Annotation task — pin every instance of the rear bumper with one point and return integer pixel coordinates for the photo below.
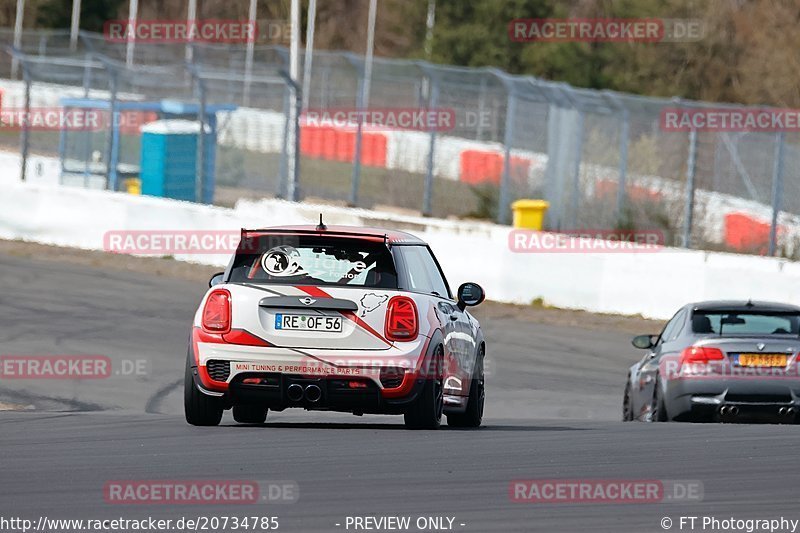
(710, 398)
(376, 382)
(329, 393)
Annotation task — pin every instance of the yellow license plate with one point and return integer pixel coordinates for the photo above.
(762, 359)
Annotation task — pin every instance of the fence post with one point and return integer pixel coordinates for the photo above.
(283, 185)
(115, 118)
(427, 199)
(292, 192)
(355, 179)
(622, 192)
(25, 140)
(111, 171)
(201, 142)
(17, 42)
(365, 75)
(777, 192)
(290, 177)
(87, 135)
(576, 171)
(355, 183)
(688, 214)
(553, 188)
(505, 180)
(248, 56)
(481, 108)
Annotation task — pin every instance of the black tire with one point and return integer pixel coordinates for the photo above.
(199, 409)
(426, 411)
(627, 408)
(658, 410)
(473, 415)
(249, 414)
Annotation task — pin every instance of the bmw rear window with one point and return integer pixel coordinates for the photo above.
(746, 323)
(314, 260)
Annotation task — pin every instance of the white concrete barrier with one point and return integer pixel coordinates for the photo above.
(652, 284)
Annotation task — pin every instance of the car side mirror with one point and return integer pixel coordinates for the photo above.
(644, 342)
(216, 279)
(470, 294)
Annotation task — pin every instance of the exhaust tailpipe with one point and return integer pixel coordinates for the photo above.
(313, 393)
(295, 392)
(733, 410)
(791, 411)
(782, 411)
(729, 410)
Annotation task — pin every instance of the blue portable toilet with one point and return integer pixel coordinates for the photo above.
(169, 160)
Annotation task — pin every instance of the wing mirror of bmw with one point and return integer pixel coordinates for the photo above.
(644, 341)
(216, 279)
(470, 294)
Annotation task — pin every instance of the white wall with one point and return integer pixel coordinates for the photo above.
(652, 284)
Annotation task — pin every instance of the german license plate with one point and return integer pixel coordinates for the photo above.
(308, 322)
(762, 359)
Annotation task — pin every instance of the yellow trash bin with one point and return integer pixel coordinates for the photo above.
(133, 186)
(529, 214)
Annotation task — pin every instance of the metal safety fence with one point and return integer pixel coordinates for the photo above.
(602, 159)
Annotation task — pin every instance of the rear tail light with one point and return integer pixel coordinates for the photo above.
(401, 319)
(700, 354)
(217, 312)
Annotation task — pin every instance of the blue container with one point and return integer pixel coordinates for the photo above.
(169, 160)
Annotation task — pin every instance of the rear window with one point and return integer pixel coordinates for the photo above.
(735, 323)
(314, 260)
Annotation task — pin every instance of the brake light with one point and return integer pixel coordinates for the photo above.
(217, 312)
(401, 319)
(700, 354)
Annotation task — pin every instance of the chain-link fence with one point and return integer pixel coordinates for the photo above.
(603, 160)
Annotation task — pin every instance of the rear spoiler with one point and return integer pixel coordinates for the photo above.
(320, 233)
(249, 237)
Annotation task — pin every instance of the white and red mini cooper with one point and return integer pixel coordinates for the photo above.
(340, 319)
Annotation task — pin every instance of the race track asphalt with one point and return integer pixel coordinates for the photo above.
(552, 413)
